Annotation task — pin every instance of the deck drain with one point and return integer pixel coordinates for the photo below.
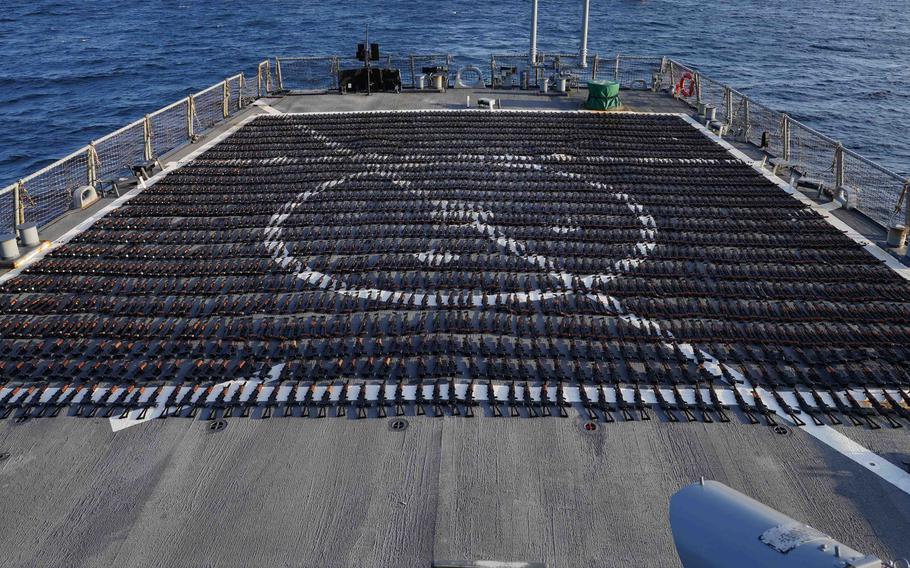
(782, 430)
(398, 424)
(4, 456)
(217, 425)
(589, 426)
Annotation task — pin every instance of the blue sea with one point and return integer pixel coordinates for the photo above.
(73, 71)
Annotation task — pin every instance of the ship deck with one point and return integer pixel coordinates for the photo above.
(290, 210)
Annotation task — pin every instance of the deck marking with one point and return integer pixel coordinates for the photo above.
(132, 419)
(267, 107)
(473, 214)
(480, 219)
(834, 439)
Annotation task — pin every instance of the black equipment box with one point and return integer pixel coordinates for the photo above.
(380, 80)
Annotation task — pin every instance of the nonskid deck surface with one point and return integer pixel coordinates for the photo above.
(526, 259)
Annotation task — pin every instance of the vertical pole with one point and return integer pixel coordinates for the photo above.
(18, 209)
(785, 136)
(190, 116)
(594, 67)
(747, 123)
(616, 69)
(413, 71)
(697, 87)
(278, 70)
(91, 170)
(839, 170)
(906, 203)
(532, 53)
(659, 83)
(673, 79)
(492, 71)
(586, 13)
(259, 82)
(728, 105)
(367, 52)
(268, 77)
(225, 99)
(146, 137)
(240, 92)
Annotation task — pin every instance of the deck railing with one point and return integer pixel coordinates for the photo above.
(872, 189)
(46, 194)
(879, 193)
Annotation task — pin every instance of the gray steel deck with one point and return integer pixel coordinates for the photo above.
(342, 492)
(353, 493)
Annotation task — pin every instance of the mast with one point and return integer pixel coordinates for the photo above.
(586, 12)
(532, 55)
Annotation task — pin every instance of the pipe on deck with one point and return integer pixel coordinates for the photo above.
(532, 55)
(586, 13)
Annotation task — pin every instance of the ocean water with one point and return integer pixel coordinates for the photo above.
(73, 71)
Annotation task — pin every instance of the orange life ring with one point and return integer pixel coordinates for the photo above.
(686, 85)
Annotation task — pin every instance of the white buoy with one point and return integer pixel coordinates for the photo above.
(8, 247)
(28, 234)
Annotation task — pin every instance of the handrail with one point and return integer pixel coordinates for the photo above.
(79, 167)
(53, 165)
(791, 137)
(865, 189)
(120, 130)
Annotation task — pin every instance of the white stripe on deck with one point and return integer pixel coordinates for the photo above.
(834, 439)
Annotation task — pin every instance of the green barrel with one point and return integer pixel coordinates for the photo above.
(603, 95)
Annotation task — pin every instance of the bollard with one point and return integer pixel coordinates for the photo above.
(897, 235)
(8, 247)
(710, 113)
(28, 234)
